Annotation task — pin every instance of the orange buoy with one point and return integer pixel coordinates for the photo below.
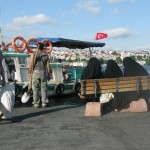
(28, 43)
(48, 45)
(19, 47)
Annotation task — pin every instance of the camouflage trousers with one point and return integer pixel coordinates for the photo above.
(39, 83)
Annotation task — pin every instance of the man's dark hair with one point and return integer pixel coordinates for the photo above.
(40, 46)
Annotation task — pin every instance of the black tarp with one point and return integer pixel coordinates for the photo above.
(72, 44)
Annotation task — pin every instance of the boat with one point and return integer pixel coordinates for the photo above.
(16, 66)
(19, 62)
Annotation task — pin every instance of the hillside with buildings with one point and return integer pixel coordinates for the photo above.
(76, 55)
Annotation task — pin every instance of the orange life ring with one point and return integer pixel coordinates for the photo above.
(28, 43)
(7, 46)
(49, 46)
(21, 47)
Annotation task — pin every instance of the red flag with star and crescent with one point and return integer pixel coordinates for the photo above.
(100, 36)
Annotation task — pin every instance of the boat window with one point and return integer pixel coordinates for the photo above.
(24, 73)
(27, 60)
(9, 61)
(22, 60)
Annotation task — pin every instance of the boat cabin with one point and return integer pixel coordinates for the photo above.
(16, 68)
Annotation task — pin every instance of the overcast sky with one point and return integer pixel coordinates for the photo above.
(127, 22)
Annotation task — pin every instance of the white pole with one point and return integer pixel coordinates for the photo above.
(1, 37)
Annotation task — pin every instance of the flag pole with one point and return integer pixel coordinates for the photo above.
(1, 36)
(92, 49)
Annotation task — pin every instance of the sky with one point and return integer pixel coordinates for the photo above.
(126, 22)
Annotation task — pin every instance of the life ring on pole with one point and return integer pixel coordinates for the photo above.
(3, 45)
(21, 47)
(59, 89)
(77, 87)
(48, 45)
(7, 46)
(28, 44)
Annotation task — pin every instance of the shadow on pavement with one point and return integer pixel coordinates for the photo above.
(6, 121)
(20, 118)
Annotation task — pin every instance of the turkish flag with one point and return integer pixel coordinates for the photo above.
(100, 36)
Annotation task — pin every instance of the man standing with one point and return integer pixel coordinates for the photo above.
(39, 72)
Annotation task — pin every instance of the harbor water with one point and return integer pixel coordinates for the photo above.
(75, 73)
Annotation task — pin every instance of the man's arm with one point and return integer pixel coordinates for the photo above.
(48, 69)
(31, 64)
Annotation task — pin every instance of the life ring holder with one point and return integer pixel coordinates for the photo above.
(7, 46)
(19, 48)
(28, 43)
(47, 50)
(77, 87)
(3, 45)
(59, 89)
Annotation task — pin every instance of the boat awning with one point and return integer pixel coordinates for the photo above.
(72, 44)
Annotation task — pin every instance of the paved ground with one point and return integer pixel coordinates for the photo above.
(64, 127)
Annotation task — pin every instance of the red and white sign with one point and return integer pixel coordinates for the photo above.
(100, 36)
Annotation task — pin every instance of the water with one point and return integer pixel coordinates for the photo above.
(70, 71)
(74, 73)
(147, 68)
